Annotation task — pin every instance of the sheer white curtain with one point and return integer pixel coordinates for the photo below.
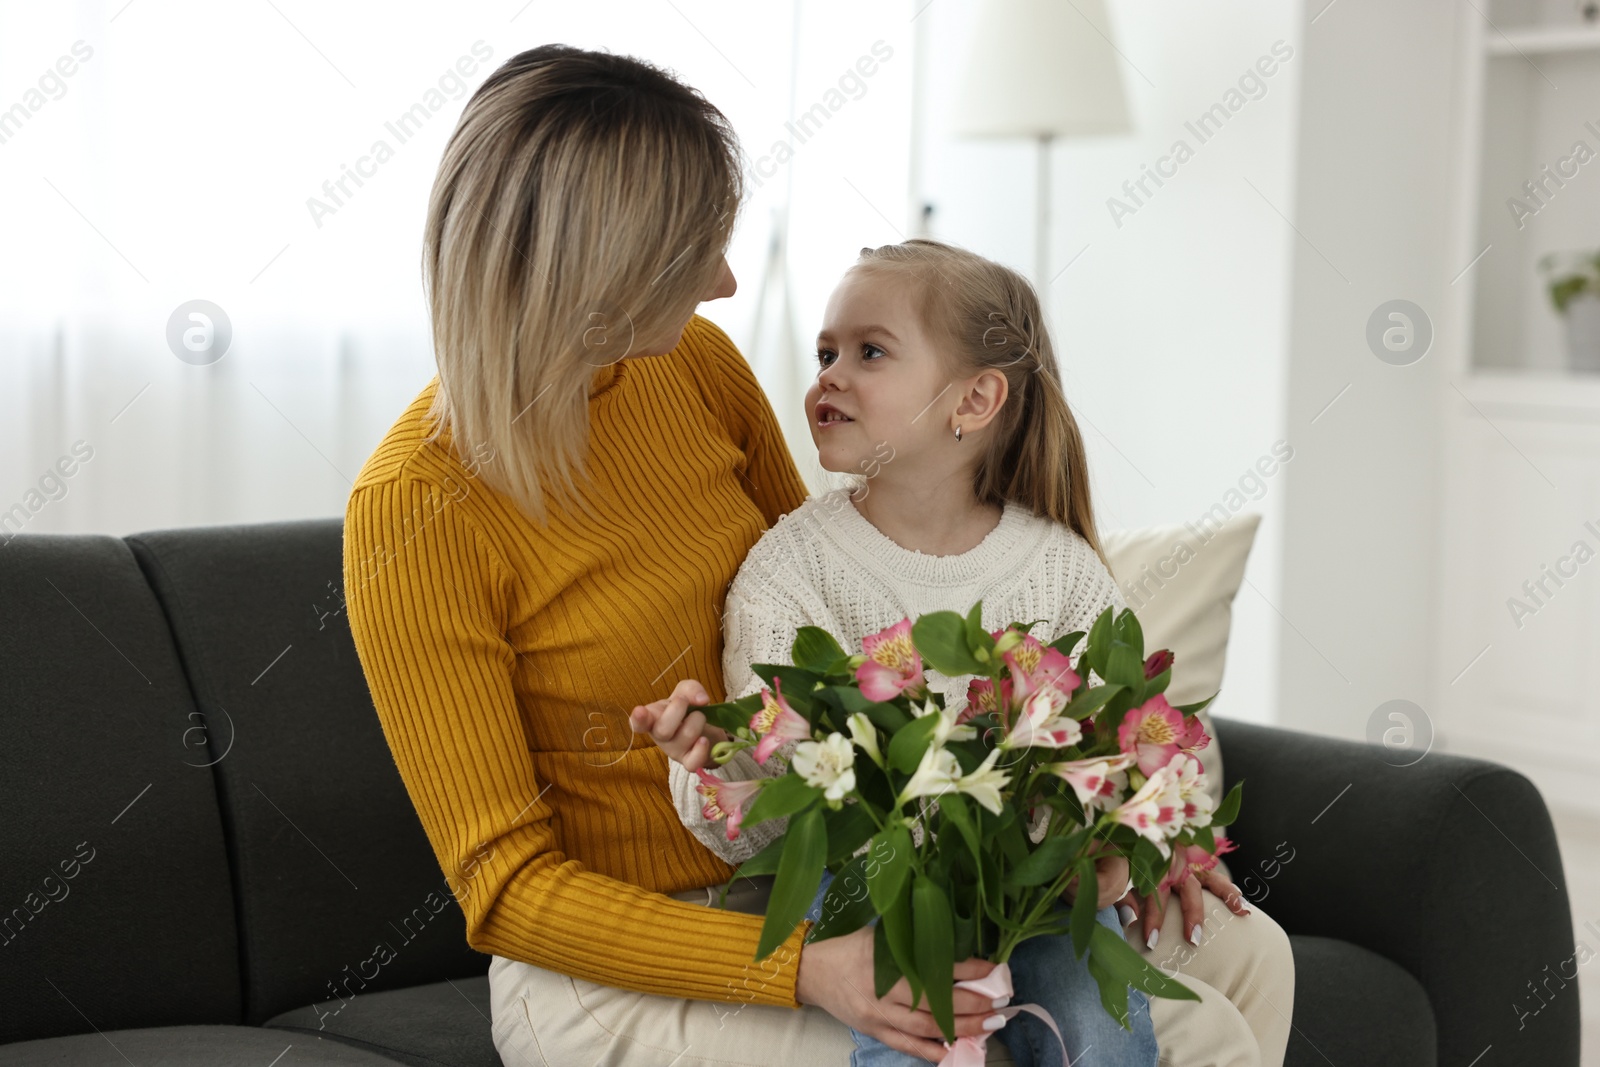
(157, 153)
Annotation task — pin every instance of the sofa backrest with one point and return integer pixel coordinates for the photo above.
(186, 708)
(116, 905)
(338, 891)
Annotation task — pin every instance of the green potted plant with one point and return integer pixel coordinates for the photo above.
(1573, 281)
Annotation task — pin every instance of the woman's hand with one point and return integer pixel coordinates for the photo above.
(1110, 875)
(1151, 910)
(836, 976)
(682, 734)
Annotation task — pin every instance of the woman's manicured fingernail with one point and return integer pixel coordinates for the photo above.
(1155, 935)
(1000, 1002)
(1127, 913)
(1194, 934)
(994, 1022)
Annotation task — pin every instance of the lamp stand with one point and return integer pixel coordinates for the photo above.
(1041, 214)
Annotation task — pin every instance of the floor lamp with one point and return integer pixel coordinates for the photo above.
(1042, 69)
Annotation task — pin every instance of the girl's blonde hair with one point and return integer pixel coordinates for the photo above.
(984, 315)
(582, 206)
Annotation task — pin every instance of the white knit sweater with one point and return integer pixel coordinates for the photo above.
(825, 565)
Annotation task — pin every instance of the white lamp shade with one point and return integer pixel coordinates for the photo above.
(1042, 68)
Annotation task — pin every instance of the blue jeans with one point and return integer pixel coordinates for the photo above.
(1044, 971)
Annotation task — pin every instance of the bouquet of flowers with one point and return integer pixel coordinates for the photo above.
(930, 807)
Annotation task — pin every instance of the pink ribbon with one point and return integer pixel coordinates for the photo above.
(969, 1051)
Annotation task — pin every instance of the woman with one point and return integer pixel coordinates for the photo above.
(543, 540)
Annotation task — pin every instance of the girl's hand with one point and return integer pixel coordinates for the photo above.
(1111, 876)
(1151, 910)
(682, 734)
(836, 976)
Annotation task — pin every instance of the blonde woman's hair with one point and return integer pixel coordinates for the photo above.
(582, 206)
(982, 315)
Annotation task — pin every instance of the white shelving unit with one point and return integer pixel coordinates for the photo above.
(1521, 430)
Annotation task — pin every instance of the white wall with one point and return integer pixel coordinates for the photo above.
(1172, 327)
(1361, 527)
(183, 153)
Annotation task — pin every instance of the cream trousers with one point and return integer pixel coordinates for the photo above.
(1242, 970)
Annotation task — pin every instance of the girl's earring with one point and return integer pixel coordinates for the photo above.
(958, 433)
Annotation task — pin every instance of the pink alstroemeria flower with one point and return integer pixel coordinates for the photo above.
(982, 700)
(1158, 662)
(1194, 735)
(1097, 781)
(776, 722)
(726, 800)
(1153, 733)
(1035, 666)
(893, 664)
(1188, 858)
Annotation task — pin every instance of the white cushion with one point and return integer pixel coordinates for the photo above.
(1180, 582)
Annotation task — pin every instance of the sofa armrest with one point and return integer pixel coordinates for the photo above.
(1449, 867)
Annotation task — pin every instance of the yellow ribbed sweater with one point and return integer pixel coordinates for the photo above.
(504, 657)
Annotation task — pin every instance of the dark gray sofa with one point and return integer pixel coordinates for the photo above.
(207, 857)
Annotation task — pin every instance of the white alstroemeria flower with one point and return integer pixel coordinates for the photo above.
(1155, 812)
(865, 736)
(1098, 782)
(828, 764)
(946, 729)
(1041, 724)
(937, 773)
(984, 783)
(1193, 789)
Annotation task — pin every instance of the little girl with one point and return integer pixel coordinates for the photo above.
(937, 382)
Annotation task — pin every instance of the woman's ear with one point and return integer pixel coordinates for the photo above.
(982, 399)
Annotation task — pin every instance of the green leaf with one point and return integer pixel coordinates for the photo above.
(941, 638)
(966, 931)
(934, 947)
(1190, 709)
(796, 688)
(763, 862)
(1067, 642)
(1146, 865)
(978, 639)
(1090, 701)
(846, 906)
(1228, 810)
(910, 742)
(1113, 993)
(816, 649)
(896, 924)
(1124, 667)
(1122, 962)
(953, 808)
(1099, 645)
(1205, 839)
(1085, 906)
(784, 795)
(1013, 840)
(1131, 633)
(848, 829)
(890, 866)
(1044, 864)
(886, 717)
(885, 970)
(799, 875)
(732, 714)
